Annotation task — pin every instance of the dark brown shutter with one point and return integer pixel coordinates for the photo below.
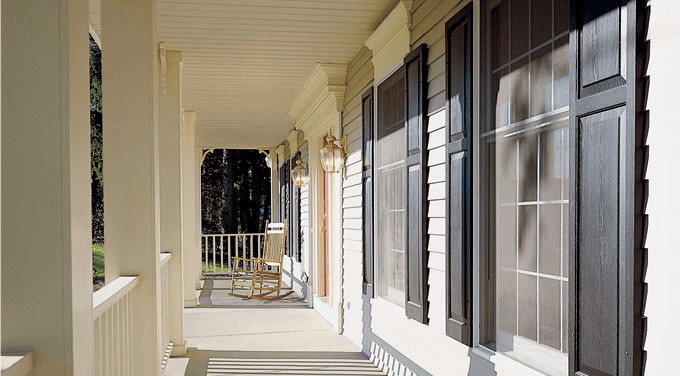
(603, 232)
(367, 189)
(416, 184)
(294, 225)
(284, 197)
(459, 176)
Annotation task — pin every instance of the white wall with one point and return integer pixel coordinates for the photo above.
(663, 173)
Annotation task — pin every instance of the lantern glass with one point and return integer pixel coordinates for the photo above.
(299, 174)
(332, 156)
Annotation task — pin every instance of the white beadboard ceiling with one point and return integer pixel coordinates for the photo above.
(246, 60)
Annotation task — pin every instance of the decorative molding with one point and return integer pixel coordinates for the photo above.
(326, 82)
(164, 68)
(281, 153)
(292, 139)
(95, 34)
(399, 17)
(390, 42)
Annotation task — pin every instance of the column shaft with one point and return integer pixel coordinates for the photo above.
(189, 195)
(131, 154)
(169, 115)
(46, 218)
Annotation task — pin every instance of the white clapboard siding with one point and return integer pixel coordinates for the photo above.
(359, 78)
(414, 342)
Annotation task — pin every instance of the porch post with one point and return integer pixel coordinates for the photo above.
(198, 157)
(46, 217)
(274, 161)
(189, 209)
(169, 114)
(131, 151)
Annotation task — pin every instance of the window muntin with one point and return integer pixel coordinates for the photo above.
(390, 152)
(524, 182)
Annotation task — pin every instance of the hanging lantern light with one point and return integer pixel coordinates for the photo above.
(332, 155)
(299, 174)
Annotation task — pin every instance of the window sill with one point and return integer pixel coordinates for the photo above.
(383, 305)
(502, 363)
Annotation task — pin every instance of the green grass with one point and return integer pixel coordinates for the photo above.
(217, 267)
(98, 263)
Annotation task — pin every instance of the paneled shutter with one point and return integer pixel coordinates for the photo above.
(294, 225)
(603, 234)
(416, 184)
(367, 189)
(284, 199)
(459, 176)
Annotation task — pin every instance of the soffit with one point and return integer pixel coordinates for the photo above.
(245, 61)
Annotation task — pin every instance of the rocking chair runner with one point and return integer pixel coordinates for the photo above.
(262, 274)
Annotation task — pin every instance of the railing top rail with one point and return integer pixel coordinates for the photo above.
(108, 295)
(234, 234)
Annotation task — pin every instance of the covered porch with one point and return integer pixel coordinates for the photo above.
(227, 335)
(178, 77)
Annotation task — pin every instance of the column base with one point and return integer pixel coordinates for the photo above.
(190, 303)
(179, 350)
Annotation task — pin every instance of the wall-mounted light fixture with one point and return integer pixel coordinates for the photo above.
(332, 155)
(299, 174)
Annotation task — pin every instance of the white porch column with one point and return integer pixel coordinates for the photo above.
(131, 151)
(198, 157)
(169, 115)
(46, 218)
(274, 161)
(189, 209)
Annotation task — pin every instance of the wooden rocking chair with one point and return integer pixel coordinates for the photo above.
(262, 274)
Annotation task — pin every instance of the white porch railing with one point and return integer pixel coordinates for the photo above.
(219, 249)
(112, 313)
(165, 312)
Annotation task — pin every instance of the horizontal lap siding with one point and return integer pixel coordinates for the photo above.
(425, 344)
(359, 79)
(305, 213)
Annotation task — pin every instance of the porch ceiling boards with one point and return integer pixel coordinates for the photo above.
(246, 60)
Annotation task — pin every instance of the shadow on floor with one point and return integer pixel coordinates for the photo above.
(215, 293)
(203, 362)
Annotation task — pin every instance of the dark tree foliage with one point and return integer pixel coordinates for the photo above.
(235, 192)
(97, 171)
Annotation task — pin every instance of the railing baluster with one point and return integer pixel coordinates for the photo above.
(229, 253)
(222, 253)
(213, 252)
(129, 335)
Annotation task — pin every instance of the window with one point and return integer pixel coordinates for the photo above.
(389, 199)
(524, 182)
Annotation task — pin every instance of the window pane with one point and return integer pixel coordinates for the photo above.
(524, 180)
(389, 211)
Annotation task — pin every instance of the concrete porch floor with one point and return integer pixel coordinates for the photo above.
(232, 336)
